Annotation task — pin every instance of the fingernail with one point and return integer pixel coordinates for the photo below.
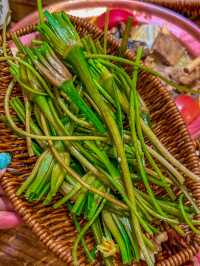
(5, 160)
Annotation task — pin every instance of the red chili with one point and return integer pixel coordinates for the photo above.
(194, 128)
(188, 107)
(116, 16)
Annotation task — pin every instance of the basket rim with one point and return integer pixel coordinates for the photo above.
(148, 4)
(36, 227)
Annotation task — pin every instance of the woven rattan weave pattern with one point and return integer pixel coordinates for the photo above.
(186, 7)
(54, 227)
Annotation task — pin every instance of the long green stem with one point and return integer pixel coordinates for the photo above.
(155, 141)
(69, 193)
(148, 208)
(76, 58)
(83, 231)
(72, 116)
(135, 127)
(171, 209)
(184, 190)
(41, 178)
(105, 39)
(91, 257)
(186, 218)
(110, 167)
(27, 125)
(37, 75)
(29, 180)
(99, 237)
(72, 173)
(119, 234)
(159, 145)
(148, 155)
(126, 34)
(33, 136)
(178, 175)
(40, 11)
(145, 128)
(18, 107)
(165, 163)
(115, 179)
(125, 61)
(50, 113)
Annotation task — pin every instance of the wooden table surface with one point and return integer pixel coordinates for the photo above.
(20, 247)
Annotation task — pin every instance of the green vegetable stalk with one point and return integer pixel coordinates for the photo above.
(73, 53)
(85, 121)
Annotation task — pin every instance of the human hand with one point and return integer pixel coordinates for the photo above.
(8, 218)
(197, 260)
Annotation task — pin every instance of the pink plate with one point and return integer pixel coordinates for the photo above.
(187, 32)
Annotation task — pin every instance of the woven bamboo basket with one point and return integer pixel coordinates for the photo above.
(54, 227)
(185, 7)
(196, 143)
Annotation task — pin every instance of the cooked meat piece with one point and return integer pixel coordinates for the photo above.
(193, 64)
(167, 48)
(183, 77)
(150, 61)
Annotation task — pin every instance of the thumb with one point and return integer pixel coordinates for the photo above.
(8, 220)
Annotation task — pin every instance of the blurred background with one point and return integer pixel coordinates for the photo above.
(21, 8)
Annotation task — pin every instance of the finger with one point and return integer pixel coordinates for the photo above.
(9, 220)
(5, 205)
(197, 260)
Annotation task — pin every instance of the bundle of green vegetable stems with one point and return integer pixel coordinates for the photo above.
(86, 123)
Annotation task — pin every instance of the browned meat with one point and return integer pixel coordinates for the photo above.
(167, 48)
(183, 77)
